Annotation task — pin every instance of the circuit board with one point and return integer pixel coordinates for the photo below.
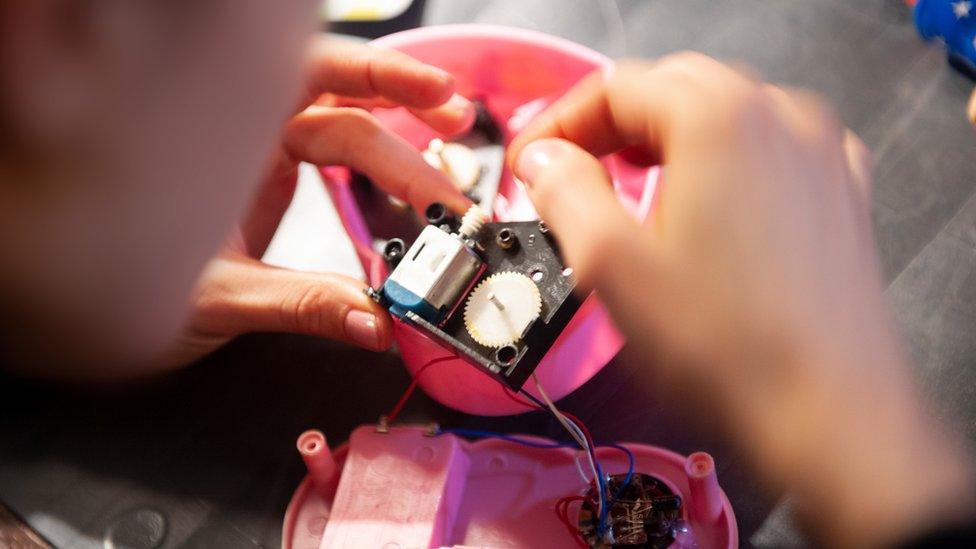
(644, 514)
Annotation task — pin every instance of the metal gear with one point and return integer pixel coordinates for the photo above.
(501, 307)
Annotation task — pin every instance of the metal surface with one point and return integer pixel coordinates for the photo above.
(212, 447)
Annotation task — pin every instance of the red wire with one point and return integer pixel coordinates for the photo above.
(413, 386)
(582, 427)
(562, 512)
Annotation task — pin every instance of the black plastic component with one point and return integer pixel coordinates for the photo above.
(484, 123)
(537, 257)
(505, 355)
(506, 239)
(393, 251)
(438, 215)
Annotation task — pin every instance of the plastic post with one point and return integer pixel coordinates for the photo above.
(318, 458)
(706, 503)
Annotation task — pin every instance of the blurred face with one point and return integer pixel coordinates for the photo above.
(132, 135)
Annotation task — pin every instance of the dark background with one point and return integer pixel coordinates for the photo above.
(211, 449)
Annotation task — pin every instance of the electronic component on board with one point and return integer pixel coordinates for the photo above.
(430, 278)
(645, 515)
(497, 294)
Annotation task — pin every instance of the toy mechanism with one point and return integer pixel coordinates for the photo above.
(496, 294)
(487, 320)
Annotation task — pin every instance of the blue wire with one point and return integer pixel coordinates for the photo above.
(630, 470)
(475, 433)
(602, 524)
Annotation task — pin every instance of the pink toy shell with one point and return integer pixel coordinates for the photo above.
(518, 73)
(407, 489)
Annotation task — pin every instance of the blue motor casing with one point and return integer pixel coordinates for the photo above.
(401, 301)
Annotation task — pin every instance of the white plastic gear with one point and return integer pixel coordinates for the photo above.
(494, 326)
(472, 221)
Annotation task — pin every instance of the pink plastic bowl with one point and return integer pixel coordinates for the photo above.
(518, 73)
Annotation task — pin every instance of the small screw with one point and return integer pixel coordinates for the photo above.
(543, 228)
(372, 294)
(506, 239)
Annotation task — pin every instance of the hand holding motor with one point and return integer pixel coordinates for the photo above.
(237, 293)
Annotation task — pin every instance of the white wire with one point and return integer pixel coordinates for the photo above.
(577, 435)
(579, 468)
(572, 428)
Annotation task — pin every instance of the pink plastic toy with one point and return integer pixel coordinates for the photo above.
(519, 73)
(405, 489)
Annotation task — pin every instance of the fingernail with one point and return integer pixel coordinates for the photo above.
(460, 106)
(442, 74)
(361, 329)
(534, 158)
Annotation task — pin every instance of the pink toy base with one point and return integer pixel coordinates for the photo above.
(518, 73)
(406, 489)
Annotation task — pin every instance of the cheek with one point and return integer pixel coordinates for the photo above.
(257, 57)
(224, 88)
(186, 131)
(270, 40)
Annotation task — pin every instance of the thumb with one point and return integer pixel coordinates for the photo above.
(239, 294)
(573, 193)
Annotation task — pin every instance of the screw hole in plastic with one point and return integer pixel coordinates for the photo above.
(506, 355)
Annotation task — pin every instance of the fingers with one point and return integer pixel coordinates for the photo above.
(861, 164)
(601, 242)
(454, 117)
(585, 117)
(352, 137)
(269, 205)
(639, 103)
(239, 295)
(572, 193)
(811, 120)
(357, 70)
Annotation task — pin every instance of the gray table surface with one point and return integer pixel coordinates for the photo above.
(208, 453)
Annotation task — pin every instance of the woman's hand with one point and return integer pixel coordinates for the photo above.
(237, 293)
(754, 288)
